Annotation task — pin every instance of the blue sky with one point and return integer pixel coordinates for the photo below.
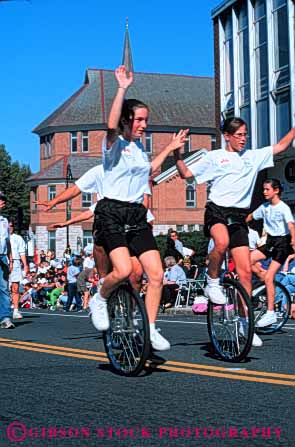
(46, 46)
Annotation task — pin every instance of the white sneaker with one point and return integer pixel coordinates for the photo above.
(159, 343)
(16, 315)
(99, 312)
(256, 342)
(214, 293)
(6, 323)
(267, 319)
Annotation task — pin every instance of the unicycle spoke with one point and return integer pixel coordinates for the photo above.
(230, 326)
(282, 306)
(127, 341)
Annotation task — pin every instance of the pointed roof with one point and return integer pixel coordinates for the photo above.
(127, 54)
(174, 101)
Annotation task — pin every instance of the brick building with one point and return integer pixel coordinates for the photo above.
(72, 136)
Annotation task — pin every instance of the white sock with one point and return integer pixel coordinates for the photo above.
(152, 327)
(212, 281)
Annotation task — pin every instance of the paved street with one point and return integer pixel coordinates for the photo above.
(57, 389)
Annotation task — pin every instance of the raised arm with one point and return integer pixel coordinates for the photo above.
(124, 83)
(284, 143)
(80, 218)
(64, 196)
(183, 170)
(177, 141)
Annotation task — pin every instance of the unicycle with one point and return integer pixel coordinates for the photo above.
(127, 341)
(231, 326)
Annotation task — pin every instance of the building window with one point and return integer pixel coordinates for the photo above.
(86, 200)
(51, 241)
(87, 237)
(228, 58)
(190, 193)
(213, 143)
(179, 228)
(46, 141)
(34, 198)
(51, 192)
(85, 141)
(281, 76)
(191, 227)
(149, 142)
(244, 69)
(187, 144)
(74, 142)
(261, 64)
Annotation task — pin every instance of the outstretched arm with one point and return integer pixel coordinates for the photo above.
(177, 141)
(64, 196)
(183, 170)
(124, 83)
(284, 143)
(80, 218)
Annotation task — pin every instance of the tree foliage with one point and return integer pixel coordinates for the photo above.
(13, 183)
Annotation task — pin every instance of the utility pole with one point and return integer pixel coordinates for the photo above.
(69, 178)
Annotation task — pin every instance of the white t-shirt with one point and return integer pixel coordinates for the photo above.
(88, 263)
(18, 246)
(275, 218)
(92, 181)
(126, 170)
(232, 175)
(254, 239)
(4, 235)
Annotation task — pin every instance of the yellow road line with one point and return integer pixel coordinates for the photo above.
(188, 368)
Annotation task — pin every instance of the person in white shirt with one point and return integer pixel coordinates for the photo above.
(120, 218)
(232, 173)
(279, 225)
(88, 262)
(17, 274)
(5, 265)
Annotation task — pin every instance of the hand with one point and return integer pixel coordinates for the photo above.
(57, 225)
(178, 139)
(45, 203)
(2, 204)
(124, 81)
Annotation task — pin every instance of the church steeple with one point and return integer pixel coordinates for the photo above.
(127, 54)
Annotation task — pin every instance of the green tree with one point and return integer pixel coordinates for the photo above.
(13, 178)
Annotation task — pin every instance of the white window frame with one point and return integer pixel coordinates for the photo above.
(74, 138)
(190, 186)
(51, 192)
(87, 237)
(85, 138)
(187, 144)
(86, 199)
(149, 141)
(52, 237)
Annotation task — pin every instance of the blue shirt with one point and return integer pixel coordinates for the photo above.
(72, 274)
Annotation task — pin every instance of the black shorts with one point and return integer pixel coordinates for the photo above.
(233, 218)
(122, 224)
(277, 247)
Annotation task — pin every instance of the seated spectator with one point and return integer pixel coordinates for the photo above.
(287, 275)
(173, 278)
(172, 251)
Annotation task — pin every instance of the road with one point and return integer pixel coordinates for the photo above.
(57, 389)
